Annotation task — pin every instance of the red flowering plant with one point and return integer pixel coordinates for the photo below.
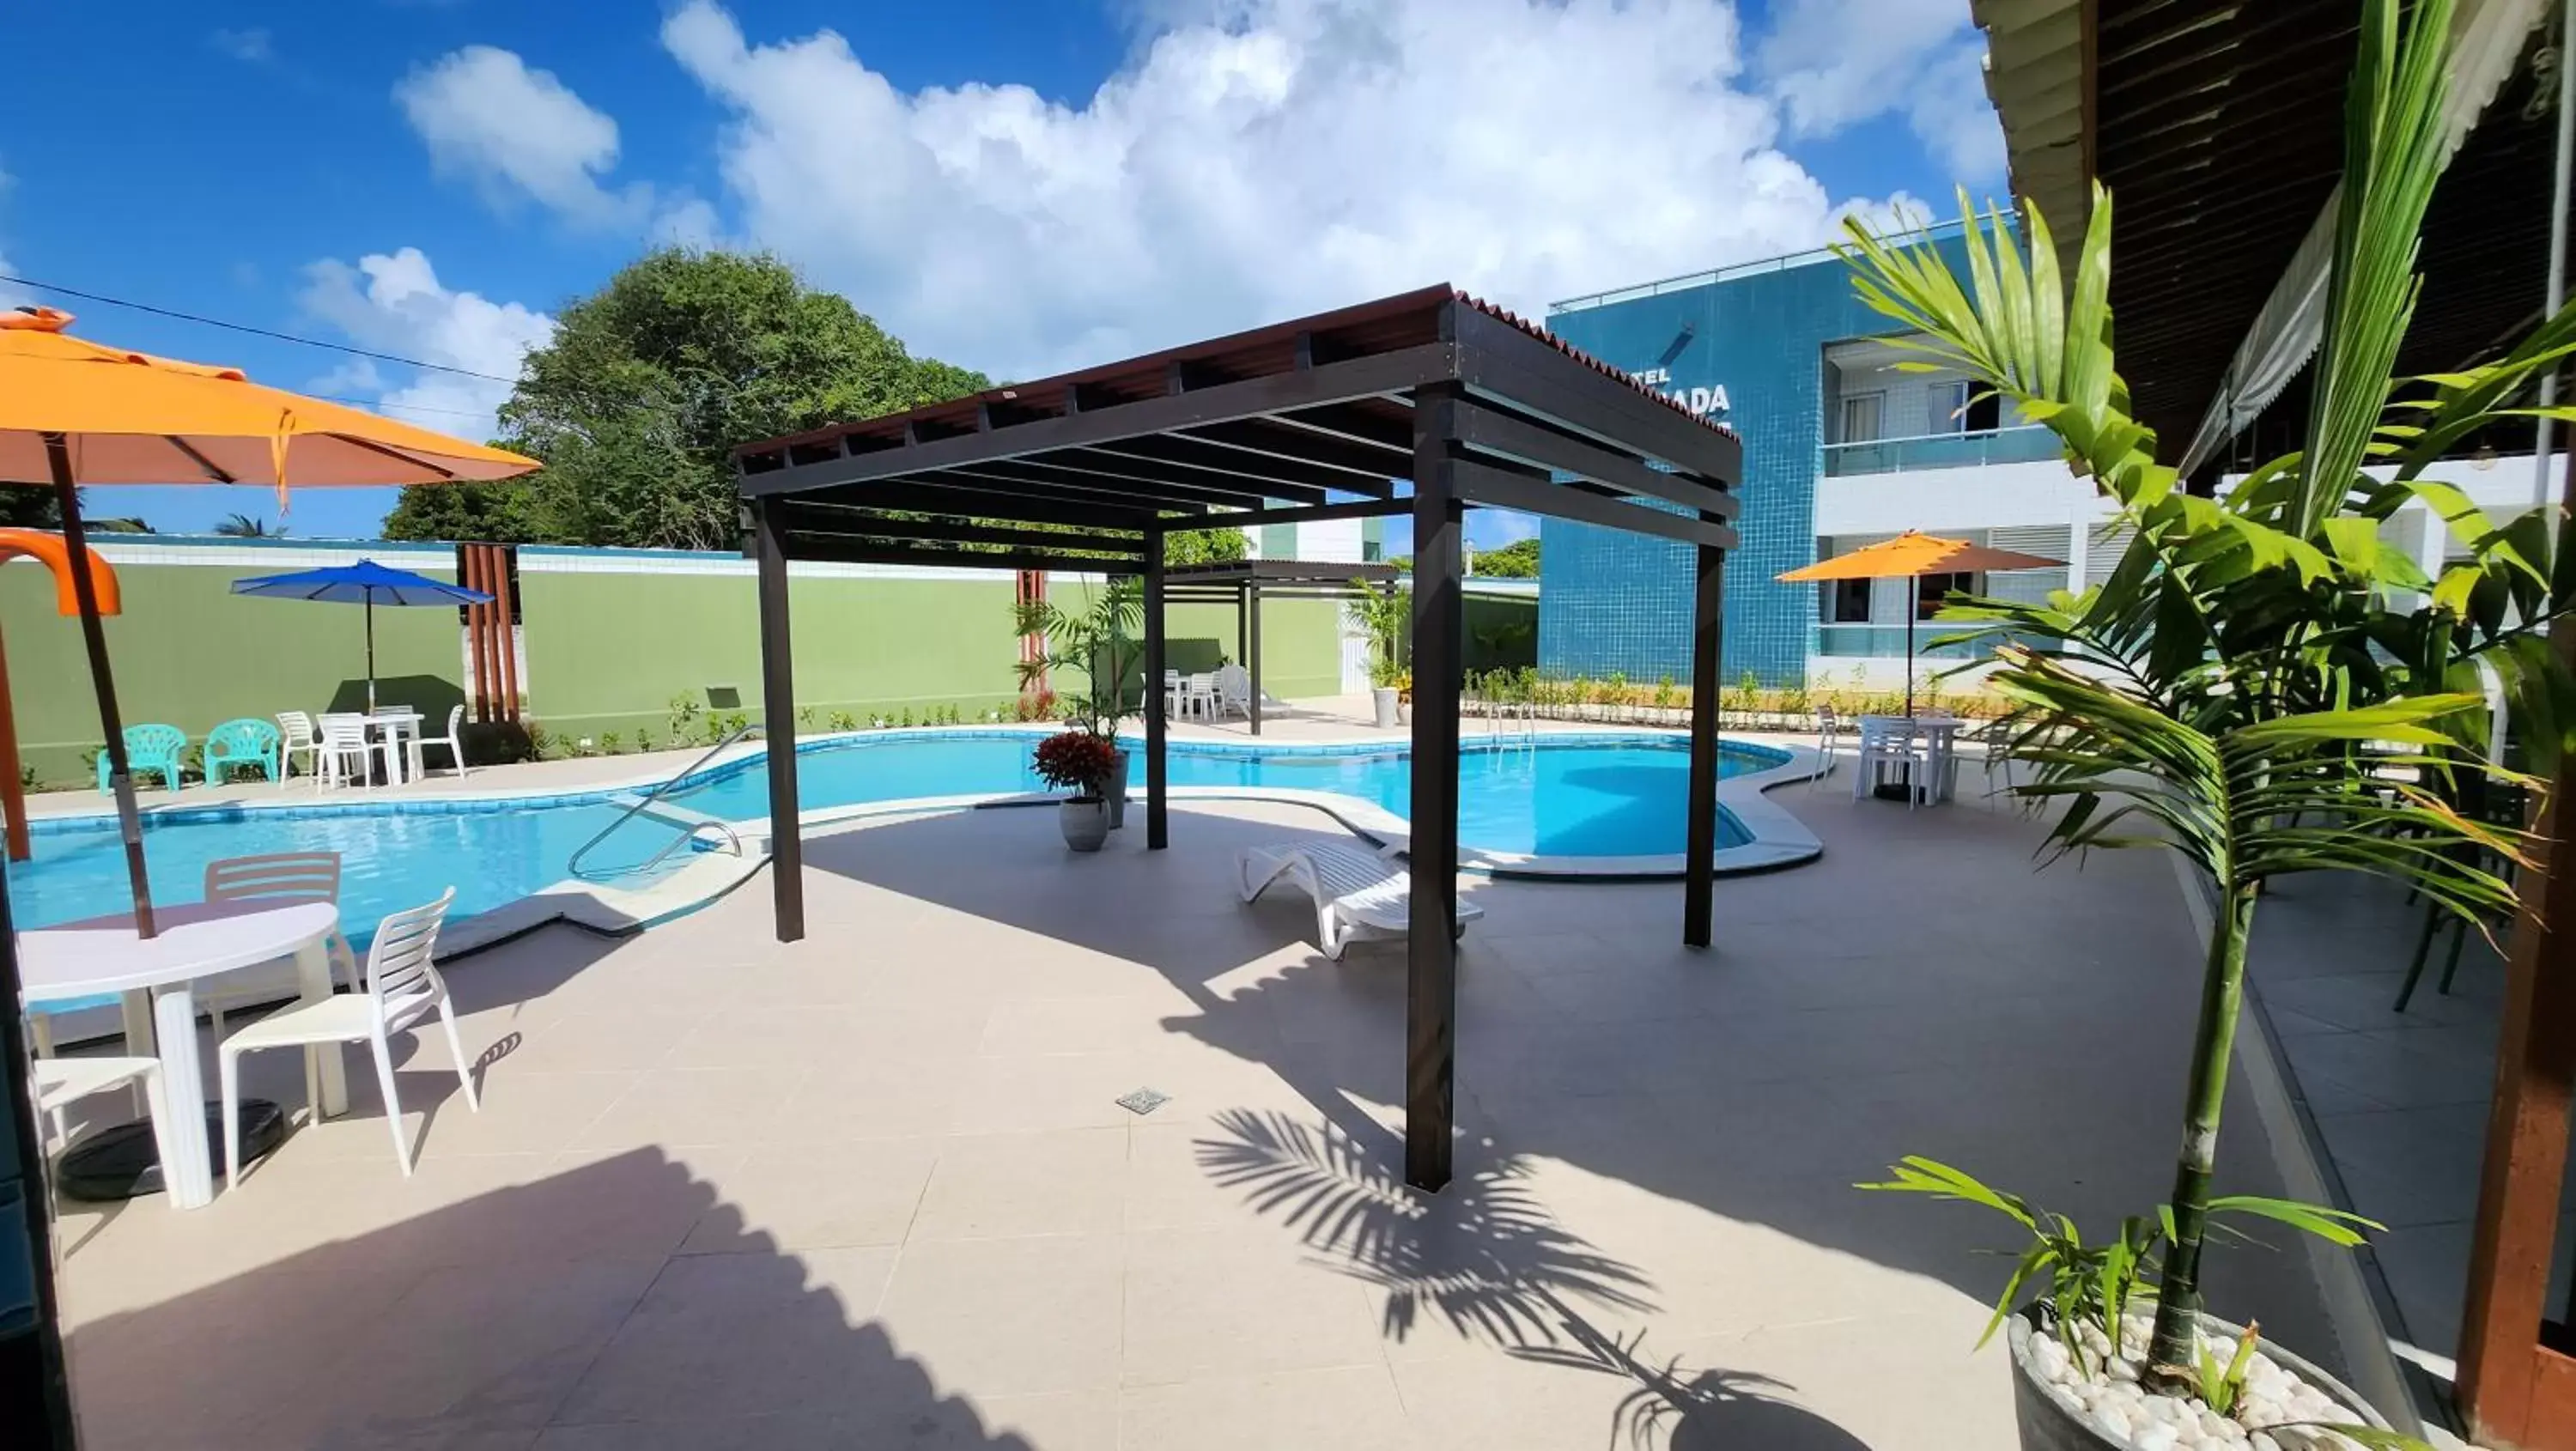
(1078, 761)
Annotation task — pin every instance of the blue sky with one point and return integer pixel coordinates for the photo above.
(434, 178)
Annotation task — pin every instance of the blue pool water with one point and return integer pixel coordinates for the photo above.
(1617, 797)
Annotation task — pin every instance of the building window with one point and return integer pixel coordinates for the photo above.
(1958, 408)
(1846, 602)
(1932, 591)
(1862, 415)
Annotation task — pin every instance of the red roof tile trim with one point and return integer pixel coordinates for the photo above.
(1506, 315)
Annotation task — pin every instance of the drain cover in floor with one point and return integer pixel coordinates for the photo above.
(1143, 1101)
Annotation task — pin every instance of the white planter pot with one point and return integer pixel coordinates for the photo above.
(1384, 698)
(2047, 1425)
(1085, 820)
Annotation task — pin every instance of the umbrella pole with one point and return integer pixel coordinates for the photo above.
(129, 821)
(1913, 607)
(13, 786)
(371, 652)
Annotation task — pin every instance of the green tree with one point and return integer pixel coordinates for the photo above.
(1203, 546)
(1516, 560)
(243, 526)
(27, 508)
(649, 383)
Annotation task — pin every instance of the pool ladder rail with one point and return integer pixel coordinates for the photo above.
(689, 830)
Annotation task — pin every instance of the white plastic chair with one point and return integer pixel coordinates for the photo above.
(296, 734)
(1233, 692)
(61, 1080)
(280, 878)
(1829, 730)
(1358, 895)
(345, 740)
(1895, 744)
(1198, 692)
(1173, 705)
(402, 988)
(451, 742)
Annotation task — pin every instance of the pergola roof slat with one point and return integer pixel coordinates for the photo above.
(1279, 425)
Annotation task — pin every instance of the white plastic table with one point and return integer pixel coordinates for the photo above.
(400, 730)
(197, 940)
(1939, 732)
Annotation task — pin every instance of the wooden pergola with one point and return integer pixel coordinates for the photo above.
(1243, 583)
(1319, 418)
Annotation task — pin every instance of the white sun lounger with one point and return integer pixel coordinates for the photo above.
(1358, 894)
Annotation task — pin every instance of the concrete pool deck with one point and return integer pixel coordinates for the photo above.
(871, 1189)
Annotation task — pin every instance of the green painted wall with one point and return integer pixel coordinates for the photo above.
(189, 653)
(605, 652)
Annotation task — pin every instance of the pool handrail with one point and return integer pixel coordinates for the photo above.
(645, 802)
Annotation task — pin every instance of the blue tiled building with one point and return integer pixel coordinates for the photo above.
(1773, 349)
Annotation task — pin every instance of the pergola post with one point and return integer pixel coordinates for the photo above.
(2516, 1388)
(1699, 875)
(1158, 826)
(1252, 646)
(1431, 948)
(778, 710)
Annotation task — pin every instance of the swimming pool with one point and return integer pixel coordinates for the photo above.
(1580, 796)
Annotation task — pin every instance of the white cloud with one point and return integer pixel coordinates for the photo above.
(1256, 159)
(251, 46)
(516, 132)
(1833, 64)
(396, 304)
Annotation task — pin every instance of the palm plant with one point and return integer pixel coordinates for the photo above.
(2262, 683)
(1381, 611)
(1097, 639)
(243, 526)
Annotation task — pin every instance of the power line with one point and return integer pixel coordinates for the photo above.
(243, 327)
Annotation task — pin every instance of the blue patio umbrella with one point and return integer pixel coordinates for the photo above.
(363, 583)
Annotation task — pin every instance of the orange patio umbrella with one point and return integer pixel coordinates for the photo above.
(75, 412)
(55, 555)
(1911, 555)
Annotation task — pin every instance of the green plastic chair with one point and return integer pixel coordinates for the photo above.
(243, 742)
(150, 748)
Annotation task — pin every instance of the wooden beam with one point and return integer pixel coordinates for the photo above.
(1515, 440)
(1140, 459)
(1431, 951)
(983, 499)
(947, 531)
(1491, 484)
(1274, 476)
(1699, 812)
(778, 710)
(1271, 438)
(1114, 481)
(1308, 513)
(1497, 360)
(836, 551)
(1402, 369)
(1158, 823)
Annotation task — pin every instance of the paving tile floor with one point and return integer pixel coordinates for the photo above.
(872, 1190)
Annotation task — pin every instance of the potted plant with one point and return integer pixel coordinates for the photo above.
(1099, 641)
(1380, 611)
(2262, 685)
(1083, 763)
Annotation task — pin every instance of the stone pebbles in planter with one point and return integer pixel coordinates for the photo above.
(2113, 1407)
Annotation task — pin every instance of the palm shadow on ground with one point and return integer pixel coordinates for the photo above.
(1918, 991)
